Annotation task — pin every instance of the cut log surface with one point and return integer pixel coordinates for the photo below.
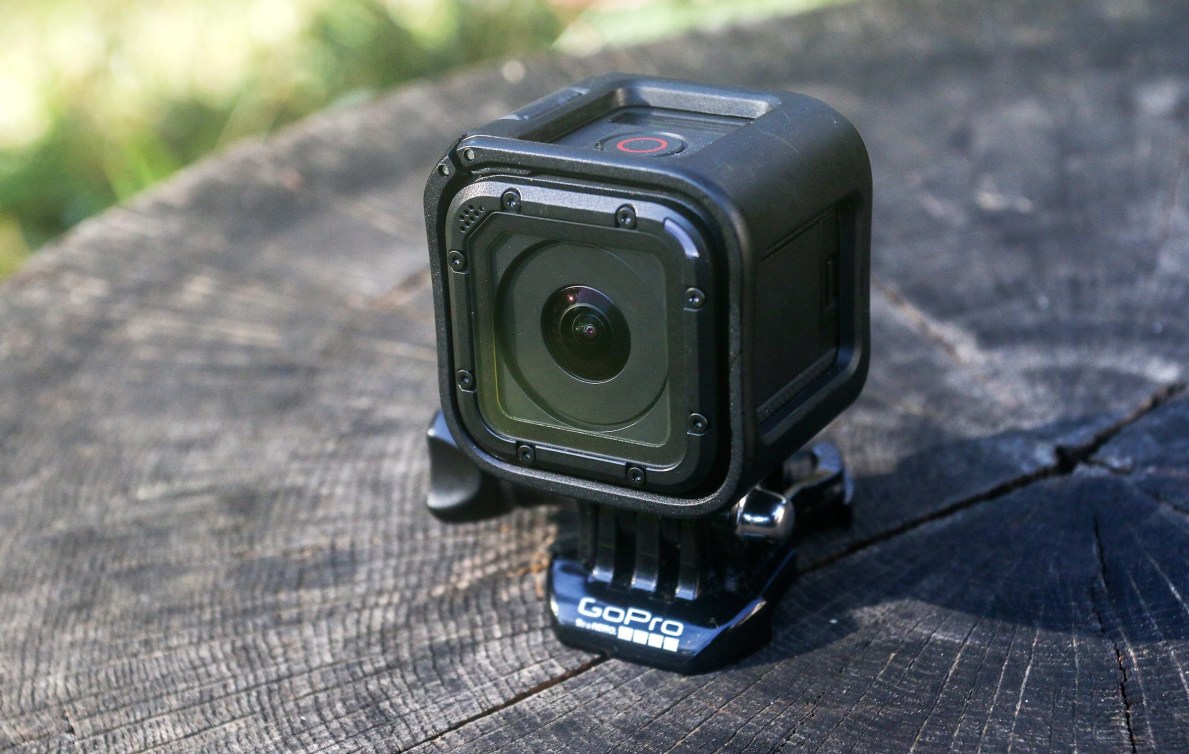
(213, 404)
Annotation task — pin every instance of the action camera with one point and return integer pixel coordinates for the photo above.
(649, 295)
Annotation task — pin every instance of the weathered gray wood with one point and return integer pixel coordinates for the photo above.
(212, 405)
(1003, 625)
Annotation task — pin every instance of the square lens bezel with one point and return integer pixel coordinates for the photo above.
(555, 214)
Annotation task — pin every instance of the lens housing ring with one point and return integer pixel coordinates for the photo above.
(586, 333)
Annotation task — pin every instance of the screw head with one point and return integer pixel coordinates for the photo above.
(694, 298)
(465, 379)
(625, 216)
(511, 200)
(444, 169)
(525, 454)
(468, 154)
(457, 261)
(636, 476)
(698, 424)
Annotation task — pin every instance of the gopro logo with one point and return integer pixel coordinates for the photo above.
(632, 624)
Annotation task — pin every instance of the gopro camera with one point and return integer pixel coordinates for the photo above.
(649, 295)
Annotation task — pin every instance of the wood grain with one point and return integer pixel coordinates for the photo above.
(212, 404)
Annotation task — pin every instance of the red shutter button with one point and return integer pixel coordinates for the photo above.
(644, 144)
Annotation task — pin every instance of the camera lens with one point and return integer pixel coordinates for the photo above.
(585, 333)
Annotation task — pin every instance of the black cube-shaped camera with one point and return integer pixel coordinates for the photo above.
(649, 293)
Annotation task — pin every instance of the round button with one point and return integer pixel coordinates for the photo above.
(644, 144)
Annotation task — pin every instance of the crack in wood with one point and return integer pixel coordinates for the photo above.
(513, 700)
(1123, 694)
(1098, 552)
(1068, 459)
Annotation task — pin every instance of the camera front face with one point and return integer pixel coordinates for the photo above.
(582, 331)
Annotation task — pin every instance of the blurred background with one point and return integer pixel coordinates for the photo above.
(101, 98)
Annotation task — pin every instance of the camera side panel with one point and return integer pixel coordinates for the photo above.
(805, 204)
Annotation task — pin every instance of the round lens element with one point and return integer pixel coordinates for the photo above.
(586, 333)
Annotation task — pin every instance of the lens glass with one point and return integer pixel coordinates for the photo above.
(586, 333)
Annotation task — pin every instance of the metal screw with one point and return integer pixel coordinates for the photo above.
(444, 169)
(694, 298)
(625, 216)
(698, 424)
(465, 379)
(511, 200)
(636, 475)
(526, 454)
(468, 154)
(457, 261)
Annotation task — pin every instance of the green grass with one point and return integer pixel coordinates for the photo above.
(105, 97)
(102, 98)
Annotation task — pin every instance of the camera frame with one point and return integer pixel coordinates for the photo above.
(722, 190)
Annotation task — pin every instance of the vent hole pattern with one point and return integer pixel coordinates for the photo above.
(470, 216)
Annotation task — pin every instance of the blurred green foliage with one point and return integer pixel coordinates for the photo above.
(624, 22)
(101, 98)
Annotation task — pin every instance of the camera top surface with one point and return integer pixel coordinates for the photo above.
(644, 131)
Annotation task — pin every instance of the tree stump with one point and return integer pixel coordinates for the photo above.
(213, 402)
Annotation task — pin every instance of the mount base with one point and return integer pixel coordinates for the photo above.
(682, 594)
(679, 599)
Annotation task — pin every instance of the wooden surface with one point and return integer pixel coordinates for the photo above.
(212, 405)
